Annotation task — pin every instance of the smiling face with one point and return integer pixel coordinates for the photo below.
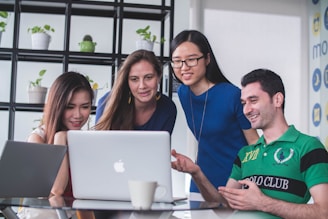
(143, 82)
(77, 111)
(190, 76)
(259, 107)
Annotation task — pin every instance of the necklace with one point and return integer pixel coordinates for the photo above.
(193, 119)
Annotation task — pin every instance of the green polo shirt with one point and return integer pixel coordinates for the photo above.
(286, 168)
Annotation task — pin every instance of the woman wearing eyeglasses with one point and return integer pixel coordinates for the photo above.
(212, 107)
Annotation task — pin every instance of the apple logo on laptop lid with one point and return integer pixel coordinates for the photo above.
(119, 166)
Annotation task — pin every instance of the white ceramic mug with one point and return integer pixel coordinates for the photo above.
(142, 193)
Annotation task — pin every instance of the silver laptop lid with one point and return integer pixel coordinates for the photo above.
(102, 162)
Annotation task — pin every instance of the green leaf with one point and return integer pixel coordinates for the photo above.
(146, 28)
(3, 24)
(89, 79)
(47, 27)
(154, 38)
(39, 29)
(3, 14)
(42, 72)
(38, 81)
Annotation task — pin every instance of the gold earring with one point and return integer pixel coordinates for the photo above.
(158, 96)
(130, 98)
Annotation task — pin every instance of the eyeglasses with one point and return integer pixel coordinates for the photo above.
(188, 62)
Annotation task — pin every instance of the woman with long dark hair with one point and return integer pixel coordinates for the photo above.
(68, 107)
(212, 107)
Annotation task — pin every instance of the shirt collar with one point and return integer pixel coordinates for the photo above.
(290, 135)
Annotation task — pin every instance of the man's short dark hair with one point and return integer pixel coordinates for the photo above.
(270, 82)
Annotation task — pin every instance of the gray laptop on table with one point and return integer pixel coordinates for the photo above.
(29, 169)
(102, 163)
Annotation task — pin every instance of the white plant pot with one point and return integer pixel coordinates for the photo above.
(144, 44)
(40, 41)
(37, 94)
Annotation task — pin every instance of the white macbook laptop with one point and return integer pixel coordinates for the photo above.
(102, 162)
(29, 169)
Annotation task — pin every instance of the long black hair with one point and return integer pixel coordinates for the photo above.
(60, 93)
(213, 72)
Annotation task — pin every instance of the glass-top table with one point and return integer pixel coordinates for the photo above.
(61, 205)
(186, 209)
(82, 204)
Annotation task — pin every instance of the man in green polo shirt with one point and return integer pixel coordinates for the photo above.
(277, 175)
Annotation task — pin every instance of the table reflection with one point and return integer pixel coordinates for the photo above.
(58, 202)
(108, 209)
(186, 209)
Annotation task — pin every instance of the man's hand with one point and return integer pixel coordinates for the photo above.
(243, 199)
(183, 163)
(186, 165)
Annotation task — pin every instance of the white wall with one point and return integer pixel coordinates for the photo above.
(179, 140)
(249, 34)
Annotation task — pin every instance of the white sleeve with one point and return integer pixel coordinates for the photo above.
(39, 131)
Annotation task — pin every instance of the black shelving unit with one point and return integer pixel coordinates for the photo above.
(118, 10)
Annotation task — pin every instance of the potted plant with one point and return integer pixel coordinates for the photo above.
(37, 93)
(3, 22)
(40, 36)
(147, 39)
(87, 45)
(95, 87)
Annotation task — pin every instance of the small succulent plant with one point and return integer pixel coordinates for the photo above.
(87, 44)
(87, 38)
